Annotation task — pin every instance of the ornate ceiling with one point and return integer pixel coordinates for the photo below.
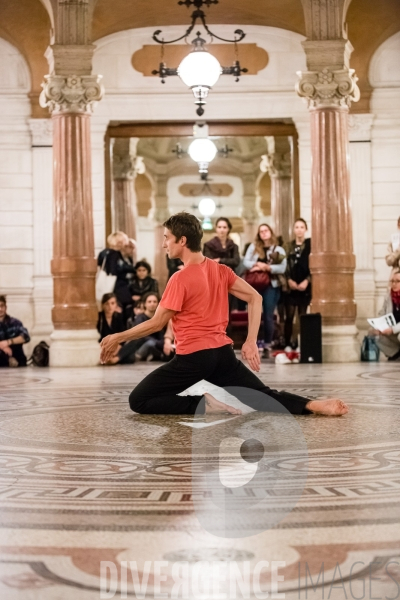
(26, 24)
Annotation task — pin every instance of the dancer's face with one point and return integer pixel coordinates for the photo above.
(173, 246)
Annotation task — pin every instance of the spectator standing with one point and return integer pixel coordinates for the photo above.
(221, 248)
(142, 282)
(389, 340)
(393, 250)
(298, 293)
(266, 255)
(12, 337)
(117, 262)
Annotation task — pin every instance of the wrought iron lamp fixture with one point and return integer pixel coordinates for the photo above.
(202, 150)
(199, 70)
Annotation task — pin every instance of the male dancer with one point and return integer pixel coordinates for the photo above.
(196, 299)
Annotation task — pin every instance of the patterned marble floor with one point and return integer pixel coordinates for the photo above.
(84, 480)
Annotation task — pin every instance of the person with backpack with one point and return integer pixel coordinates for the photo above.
(13, 335)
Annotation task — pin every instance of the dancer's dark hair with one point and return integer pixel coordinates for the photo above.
(143, 263)
(227, 221)
(184, 224)
(105, 298)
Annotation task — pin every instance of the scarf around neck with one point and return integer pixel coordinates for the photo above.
(395, 298)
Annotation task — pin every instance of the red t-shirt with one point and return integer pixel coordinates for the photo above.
(199, 295)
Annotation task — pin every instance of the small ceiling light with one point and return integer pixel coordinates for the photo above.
(202, 151)
(199, 70)
(207, 207)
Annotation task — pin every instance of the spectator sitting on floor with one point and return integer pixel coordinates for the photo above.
(12, 337)
(142, 281)
(156, 346)
(110, 318)
(393, 251)
(389, 340)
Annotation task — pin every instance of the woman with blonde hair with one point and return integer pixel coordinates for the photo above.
(265, 255)
(115, 260)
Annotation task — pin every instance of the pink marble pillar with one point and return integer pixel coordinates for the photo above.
(332, 261)
(329, 92)
(74, 314)
(125, 206)
(73, 265)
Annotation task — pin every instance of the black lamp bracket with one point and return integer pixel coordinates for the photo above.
(198, 15)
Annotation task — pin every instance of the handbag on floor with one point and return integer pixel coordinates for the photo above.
(370, 350)
(105, 284)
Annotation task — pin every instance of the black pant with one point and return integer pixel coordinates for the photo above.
(157, 393)
(17, 353)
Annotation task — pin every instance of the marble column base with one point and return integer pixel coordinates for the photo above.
(74, 348)
(340, 344)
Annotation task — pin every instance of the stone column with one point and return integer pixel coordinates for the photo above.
(74, 340)
(125, 168)
(279, 166)
(42, 182)
(361, 204)
(250, 212)
(160, 215)
(329, 86)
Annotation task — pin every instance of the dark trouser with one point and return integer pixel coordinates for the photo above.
(157, 393)
(17, 353)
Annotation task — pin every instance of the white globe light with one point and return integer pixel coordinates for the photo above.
(207, 207)
(202, 150)
(199, 68)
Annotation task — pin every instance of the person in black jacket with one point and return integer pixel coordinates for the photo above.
(117, 260)
(110, 319)
(298, 277)
(221, 248)
(142, 282)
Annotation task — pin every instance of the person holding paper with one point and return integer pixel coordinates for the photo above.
(389, 339)
(393, 250)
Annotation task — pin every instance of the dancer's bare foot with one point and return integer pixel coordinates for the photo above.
(215, 407)
(331, 407)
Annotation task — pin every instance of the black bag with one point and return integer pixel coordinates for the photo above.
(40, 355)
(370, 350)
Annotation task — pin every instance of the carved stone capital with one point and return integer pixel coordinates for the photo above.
(41, 131)
(328, 87)
(71, 94)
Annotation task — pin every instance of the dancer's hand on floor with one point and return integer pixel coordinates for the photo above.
(109, 348)
(251, 354)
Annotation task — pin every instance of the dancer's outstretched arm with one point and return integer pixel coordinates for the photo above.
(245, 292)
(156, 323)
